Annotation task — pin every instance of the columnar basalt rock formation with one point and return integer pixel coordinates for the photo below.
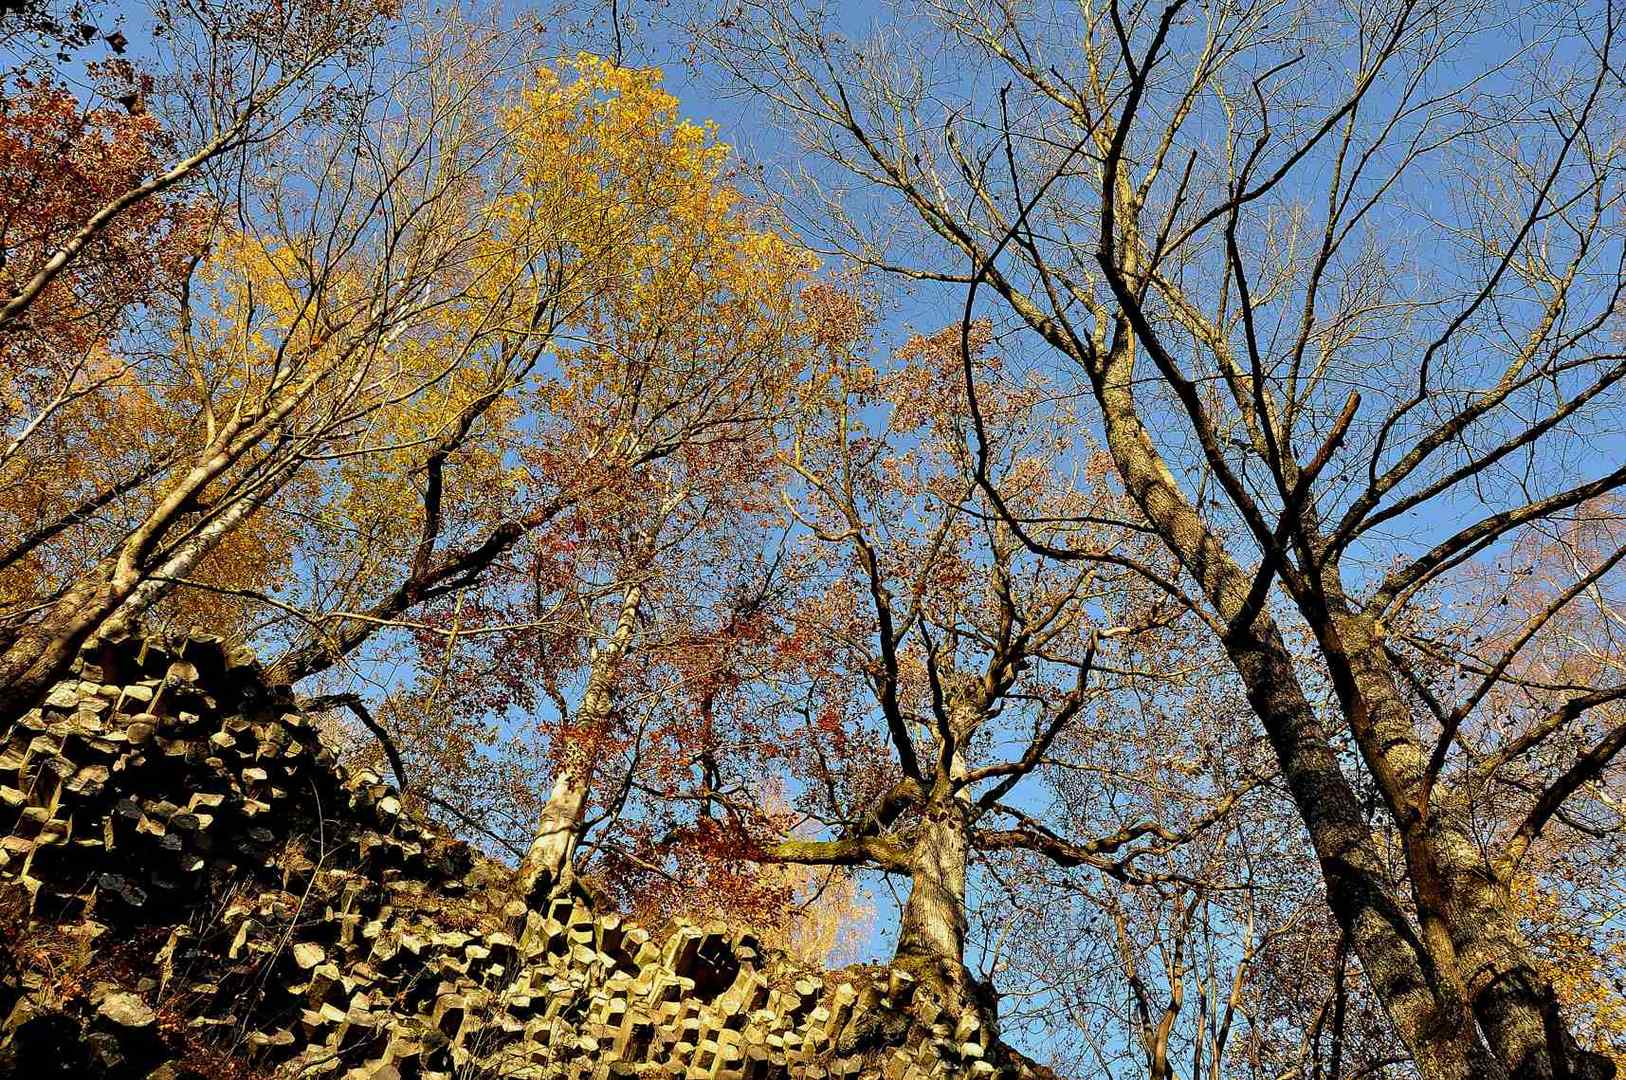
(193, 887)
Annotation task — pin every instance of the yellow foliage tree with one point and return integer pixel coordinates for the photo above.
(625, 305)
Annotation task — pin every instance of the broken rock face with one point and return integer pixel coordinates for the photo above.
(193, 887)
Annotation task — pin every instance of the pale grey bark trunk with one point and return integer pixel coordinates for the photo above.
(549, 861)
(1377, 927)
(551, 854)
(1515, 1005)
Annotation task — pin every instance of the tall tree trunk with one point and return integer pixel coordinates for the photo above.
(549, 861)
(1377, 927)
(551, 855)
(933, 925)
(1460, 896)
(1513, 1002)
(41, 654)
(1395, 961)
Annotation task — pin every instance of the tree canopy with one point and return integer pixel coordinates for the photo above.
(1115, 506)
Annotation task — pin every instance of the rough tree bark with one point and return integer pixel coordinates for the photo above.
(1442, 1043)
(548, 862)
(933, 925)
(932, 930)
(1463, 903)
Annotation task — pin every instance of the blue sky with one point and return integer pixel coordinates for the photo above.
(744, 124)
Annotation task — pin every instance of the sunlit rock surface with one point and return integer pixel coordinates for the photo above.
(193, 887)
